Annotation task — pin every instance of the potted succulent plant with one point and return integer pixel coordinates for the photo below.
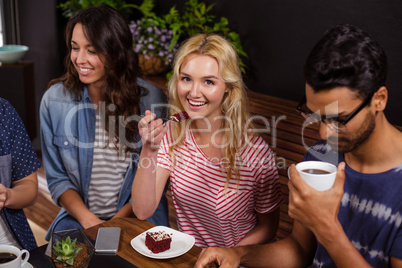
(70, 248)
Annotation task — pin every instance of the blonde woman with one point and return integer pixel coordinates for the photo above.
(224, 182)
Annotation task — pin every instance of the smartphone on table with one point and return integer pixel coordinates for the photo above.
(107, 240)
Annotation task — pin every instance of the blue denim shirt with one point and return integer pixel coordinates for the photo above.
(67, 137)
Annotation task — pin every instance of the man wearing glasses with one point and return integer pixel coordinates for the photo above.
(358, 222)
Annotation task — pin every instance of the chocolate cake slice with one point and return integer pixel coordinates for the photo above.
(158, 241)
(179, 116)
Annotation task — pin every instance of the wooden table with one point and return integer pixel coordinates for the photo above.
(130, 228)
(126, 255)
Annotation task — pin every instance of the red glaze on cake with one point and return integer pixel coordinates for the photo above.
(179, 116)
(158, 241)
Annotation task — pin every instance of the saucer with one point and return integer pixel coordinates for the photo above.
(27, 265)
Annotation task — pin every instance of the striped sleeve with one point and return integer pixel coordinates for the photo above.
(164, 159)
(268, 193)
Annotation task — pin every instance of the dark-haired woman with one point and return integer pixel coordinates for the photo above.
(89, 120)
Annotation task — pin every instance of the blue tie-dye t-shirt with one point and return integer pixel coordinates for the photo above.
(370, 211)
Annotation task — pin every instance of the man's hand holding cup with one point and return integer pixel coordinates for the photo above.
(312, 202)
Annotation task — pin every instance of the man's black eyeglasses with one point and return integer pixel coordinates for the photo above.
(334, 123)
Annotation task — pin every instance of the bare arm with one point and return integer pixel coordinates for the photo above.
(73, 204)
(125, 211)
(396, 263)
(296, 250)
(264, 231)
(22, 193)
(150, 179)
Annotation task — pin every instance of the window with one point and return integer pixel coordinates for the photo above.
(9, 22)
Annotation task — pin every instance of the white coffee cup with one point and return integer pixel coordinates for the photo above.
(18, 262)
(319, 175)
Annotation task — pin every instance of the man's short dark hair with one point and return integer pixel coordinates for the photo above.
(346, 56)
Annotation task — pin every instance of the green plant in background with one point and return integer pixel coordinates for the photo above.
(71, 7)
(159, 35)
(197, 18)
(65, 251)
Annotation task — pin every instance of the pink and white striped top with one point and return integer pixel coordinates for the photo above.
(204, 209)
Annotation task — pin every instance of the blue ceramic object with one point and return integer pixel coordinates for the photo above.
(12, 53)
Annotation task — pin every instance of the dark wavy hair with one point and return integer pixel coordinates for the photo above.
(110, 35)
(346, 56)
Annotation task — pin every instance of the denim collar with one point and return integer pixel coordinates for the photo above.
(85, 95)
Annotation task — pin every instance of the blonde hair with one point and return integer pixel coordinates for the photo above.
(234, 102)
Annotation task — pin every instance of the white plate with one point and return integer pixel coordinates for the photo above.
(181, 243)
